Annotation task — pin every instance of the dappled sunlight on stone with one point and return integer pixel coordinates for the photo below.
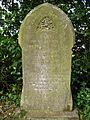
(46, 37)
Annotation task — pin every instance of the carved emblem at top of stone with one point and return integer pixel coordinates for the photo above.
(46, 24)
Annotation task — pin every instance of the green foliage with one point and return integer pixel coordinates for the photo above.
(10, 70)
(83, 103)
(11, 16)
(81, 83)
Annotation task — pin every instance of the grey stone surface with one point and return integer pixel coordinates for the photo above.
(46, 37)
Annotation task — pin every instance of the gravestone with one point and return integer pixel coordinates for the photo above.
(46, 37)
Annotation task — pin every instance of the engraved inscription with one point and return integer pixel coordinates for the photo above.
(46, 24)
(46, 50)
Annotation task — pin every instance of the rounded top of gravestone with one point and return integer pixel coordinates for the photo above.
(47, 11)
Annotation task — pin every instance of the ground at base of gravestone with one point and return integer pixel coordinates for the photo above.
(14, 113)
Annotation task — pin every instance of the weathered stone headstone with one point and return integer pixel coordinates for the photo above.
(46, 38)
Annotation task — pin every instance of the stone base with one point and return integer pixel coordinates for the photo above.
(37, 115)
